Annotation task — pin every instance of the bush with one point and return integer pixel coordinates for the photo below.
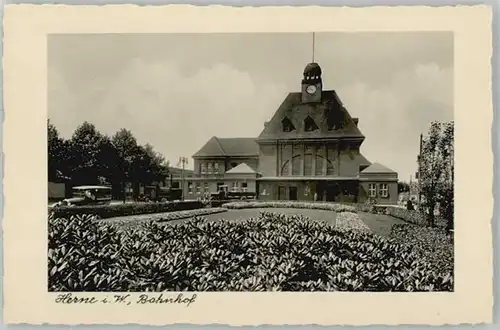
(433, 244)
(272, 252)
(118, 210)
(291, 204)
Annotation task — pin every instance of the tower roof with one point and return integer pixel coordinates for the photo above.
(332, 119)
(312, 68)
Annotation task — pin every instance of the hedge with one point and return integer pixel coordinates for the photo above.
(273, 252)
(291, 204)
(118, 210)
(432, 244)
(411, 216)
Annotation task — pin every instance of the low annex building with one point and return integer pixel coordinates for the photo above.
(309, 150)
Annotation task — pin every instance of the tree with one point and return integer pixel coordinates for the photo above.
(157, 165)
(109, 160)
(436, 170)
(126, 146)
(403, 186)
(58, 155)
(85, 147)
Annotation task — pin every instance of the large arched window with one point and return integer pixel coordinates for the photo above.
(310, 124)
(308, 169)
(296, 164)
(287, 125)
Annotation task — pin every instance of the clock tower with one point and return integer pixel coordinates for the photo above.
(312, 84)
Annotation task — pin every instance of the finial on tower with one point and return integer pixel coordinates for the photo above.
(313, 47)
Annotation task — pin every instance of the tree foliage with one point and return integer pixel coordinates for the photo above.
(403, 186)
(90, 157)
(436, 171)
(58, 155)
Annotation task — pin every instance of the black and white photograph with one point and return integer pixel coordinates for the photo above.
(318, 161)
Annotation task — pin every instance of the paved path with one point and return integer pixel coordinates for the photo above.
(380, 224)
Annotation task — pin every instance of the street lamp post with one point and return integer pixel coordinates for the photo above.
(183, 161)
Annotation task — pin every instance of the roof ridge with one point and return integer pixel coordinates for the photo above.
(220, 145)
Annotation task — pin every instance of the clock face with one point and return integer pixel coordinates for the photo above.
(311, 89)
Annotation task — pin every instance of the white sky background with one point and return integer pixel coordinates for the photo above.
(175, 91)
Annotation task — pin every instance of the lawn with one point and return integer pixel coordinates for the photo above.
(378, 223)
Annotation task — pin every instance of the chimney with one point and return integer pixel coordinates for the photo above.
(266, 123)
(356, 120)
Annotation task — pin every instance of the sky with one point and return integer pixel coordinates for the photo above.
(175, 91)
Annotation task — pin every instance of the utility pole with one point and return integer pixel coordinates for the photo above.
(183, 161)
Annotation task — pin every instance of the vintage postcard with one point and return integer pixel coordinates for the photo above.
(247, 166)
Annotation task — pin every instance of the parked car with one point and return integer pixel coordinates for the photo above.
(87, 195)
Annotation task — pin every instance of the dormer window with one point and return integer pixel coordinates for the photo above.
(287, 125)
(310, 124)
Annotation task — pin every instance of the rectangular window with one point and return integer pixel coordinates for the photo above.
(384, 190)
(206, 187)
(234, 186)
(244, 186)
(216, 167)
(190, 187)
(209, 169)
(203, 168)
(198, 188)
(372, 190)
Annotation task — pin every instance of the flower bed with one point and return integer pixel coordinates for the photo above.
(350, 221)
(272, 252)
(117, 210)
(432, 244)
(291, 204)
(162, 217)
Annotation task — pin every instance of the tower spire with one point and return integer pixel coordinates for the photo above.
(313, 47)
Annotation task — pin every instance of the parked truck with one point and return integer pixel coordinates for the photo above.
(225, 194)
(156, 193)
